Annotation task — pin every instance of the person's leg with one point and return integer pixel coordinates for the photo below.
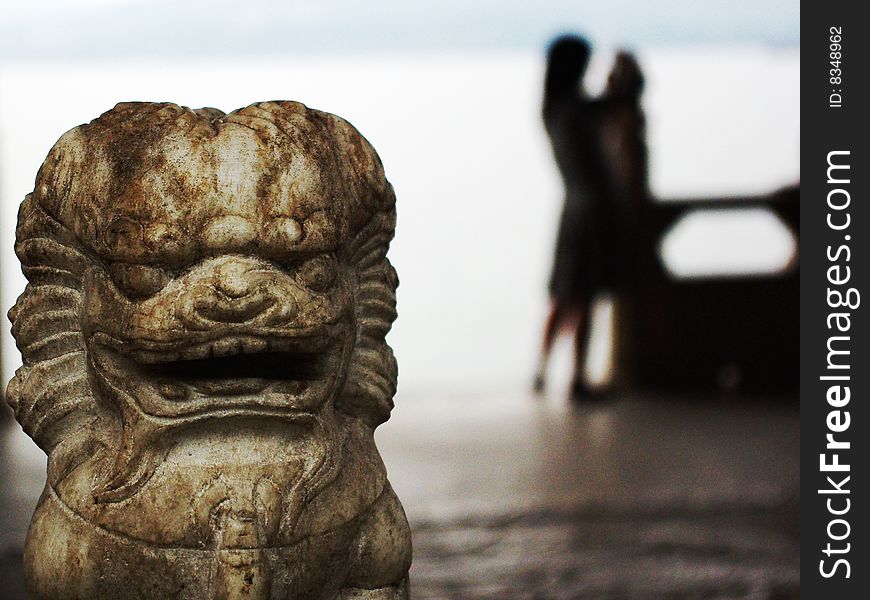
(551, 328)
(579, 389)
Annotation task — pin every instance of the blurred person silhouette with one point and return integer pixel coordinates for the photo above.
(710, 333)
(599, 149)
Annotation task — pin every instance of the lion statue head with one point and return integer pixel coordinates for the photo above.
(186, 266)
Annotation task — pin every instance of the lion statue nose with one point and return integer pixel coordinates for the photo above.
(235, 310)
(235, 279)
(237, 290)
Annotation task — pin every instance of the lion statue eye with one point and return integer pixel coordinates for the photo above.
(318, 273)
(138, 281)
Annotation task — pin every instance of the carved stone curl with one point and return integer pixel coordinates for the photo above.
(204, 358)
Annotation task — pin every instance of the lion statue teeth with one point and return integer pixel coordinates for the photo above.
(204, 358)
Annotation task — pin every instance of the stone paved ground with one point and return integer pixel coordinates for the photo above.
(717, 553)
(513, 498)
(635, 499)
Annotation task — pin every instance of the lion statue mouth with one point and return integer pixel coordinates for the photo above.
(285, 374)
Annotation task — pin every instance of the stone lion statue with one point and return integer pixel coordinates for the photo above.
(203, 337)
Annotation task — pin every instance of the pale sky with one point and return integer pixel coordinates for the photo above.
(70, 29)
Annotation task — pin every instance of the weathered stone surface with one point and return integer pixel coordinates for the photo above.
(204, 358)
